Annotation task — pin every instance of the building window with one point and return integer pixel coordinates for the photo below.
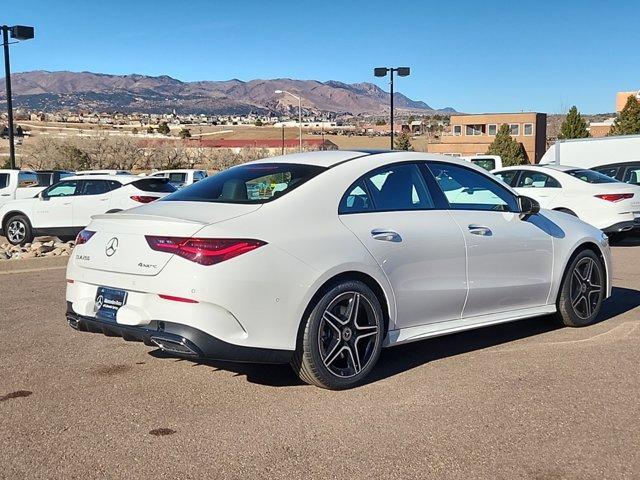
(457, 130)
(514, 129)
(528, 128)
(473, 130)
(492, 128)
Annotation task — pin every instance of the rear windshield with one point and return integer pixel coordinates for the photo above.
(590, 176)
(255, 183)
(158, 185)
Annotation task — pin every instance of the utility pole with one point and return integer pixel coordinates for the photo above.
(19, 32)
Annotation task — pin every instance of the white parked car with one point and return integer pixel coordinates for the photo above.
(65, 208)
(16, 184)
(102, 172)
(602, 201)
(351, 252)
(183, 177)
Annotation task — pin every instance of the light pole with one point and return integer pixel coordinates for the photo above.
(19, 32)
(299, 113)
(382, 72)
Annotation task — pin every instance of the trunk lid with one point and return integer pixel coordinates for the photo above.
(119, 244)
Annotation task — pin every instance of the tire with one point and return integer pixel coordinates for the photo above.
(337, 349)
(18, 230)
(582, 290)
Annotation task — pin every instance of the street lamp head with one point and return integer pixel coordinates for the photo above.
(403, 71)
(21, 32)
(380, 71)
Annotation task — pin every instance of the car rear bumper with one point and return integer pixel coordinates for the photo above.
(178, 339)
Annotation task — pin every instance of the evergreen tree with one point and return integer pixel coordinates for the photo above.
(163, 128)
(628, 121)
(511, 152)
(258, 123)
(184, 133)
(403, 142)
(573, 126)
(150, 130)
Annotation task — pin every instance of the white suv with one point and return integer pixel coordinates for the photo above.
(66, 208)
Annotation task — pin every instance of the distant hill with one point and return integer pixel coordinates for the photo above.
(50, 91)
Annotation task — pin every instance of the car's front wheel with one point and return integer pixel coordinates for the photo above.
(18, 230)
(582, 291)
(341, 337)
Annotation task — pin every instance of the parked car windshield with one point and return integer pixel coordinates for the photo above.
(590, 176)
(255, 183)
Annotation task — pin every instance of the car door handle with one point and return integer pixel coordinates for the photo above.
(104, 199)
(4, 194)
(480, 230)
(385, 235)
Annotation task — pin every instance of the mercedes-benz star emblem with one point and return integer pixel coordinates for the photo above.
(99, 302)
(112, 246)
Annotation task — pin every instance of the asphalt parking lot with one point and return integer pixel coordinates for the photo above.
(522, 400)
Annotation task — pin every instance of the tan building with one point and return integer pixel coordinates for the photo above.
(622, 97)
(472, 134)
(602, 129)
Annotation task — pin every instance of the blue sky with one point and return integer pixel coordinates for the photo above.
(473, 55)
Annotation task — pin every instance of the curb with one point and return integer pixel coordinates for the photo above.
(32, 264)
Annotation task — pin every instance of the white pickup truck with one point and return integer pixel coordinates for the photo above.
(18, 184)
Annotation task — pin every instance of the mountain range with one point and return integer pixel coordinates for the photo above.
(54, 91)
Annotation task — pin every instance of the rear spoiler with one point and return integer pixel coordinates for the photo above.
(134, 216)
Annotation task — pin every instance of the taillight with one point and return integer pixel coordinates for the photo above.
(143, 198)
(84, 236)
(615, 197)
(176, 299)
(205, 251)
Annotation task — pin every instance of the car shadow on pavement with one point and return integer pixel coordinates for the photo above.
(628, 240)
(402, 358)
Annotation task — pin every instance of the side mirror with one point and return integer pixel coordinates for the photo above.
(528, 206)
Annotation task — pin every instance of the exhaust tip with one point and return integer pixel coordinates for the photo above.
(173, 346)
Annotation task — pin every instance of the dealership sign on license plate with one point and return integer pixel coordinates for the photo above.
(108, 301)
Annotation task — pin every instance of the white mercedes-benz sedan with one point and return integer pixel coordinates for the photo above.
(321, 259)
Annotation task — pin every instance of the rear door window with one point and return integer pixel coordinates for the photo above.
(508, 176)
(4, 180)
(93, 187)
(252, 183)
(389, 188)
(632, 175)
(530, 179)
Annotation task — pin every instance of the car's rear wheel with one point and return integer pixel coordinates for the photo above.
(582, 290)
(18, 230)
(341, 338)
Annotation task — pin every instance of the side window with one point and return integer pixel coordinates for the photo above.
(466, 189)
(508, 176)
(4, 180)
(93, 187)
(632, 175)
(530, 179)
(389, 188)
(62, 189)
(27, 179)
(356, 200)
(113, 184)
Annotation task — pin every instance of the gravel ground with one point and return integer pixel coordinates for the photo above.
(523, 400)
